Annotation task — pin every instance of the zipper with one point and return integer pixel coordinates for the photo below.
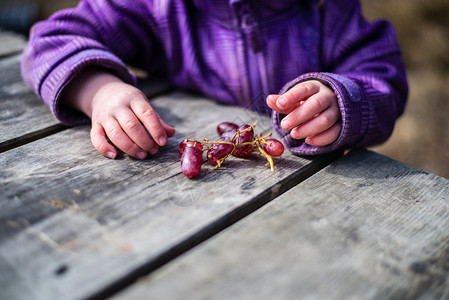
(254, 59)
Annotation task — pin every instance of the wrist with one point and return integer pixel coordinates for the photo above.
(80, 92)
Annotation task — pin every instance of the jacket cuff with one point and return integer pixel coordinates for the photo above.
(53, 85)
(353, 108)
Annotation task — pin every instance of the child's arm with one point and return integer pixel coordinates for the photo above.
(98, 35)
(361, 63)
(119, 111)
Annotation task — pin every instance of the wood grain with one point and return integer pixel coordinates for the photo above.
(23, 117)
(11, 43)
(77, 225)
(365, 227)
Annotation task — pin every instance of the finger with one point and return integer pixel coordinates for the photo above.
(100, 142)
(313, 106)
(135, 131)
(271, 101)
(170, 131)
(326, 137)
(288, 101)
(150, 119)
(318, 124)
(120, 139)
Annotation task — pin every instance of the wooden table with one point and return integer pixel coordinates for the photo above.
(76, 225)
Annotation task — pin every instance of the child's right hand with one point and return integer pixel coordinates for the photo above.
(118, 111)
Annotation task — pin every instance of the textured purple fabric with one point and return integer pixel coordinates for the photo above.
(234, 51)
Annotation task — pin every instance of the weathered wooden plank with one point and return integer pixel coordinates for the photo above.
(11, 43)
(365, 227)
(22, 114)
(77, 225)
(25, 118)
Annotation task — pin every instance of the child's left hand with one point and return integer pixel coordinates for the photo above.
(312, 112)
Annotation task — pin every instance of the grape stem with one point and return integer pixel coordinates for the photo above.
(267, 156)
(258, 140)
(261, 139)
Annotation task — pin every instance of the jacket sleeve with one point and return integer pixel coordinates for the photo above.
(362, 63)
(105, 34)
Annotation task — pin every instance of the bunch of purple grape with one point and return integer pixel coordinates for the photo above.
(238, 141)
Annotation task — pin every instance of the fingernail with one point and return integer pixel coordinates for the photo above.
(162, 141)
(110, 154)
(141, 154)
(269, 98)
(285, 124)
(282, 102)
(153, 151)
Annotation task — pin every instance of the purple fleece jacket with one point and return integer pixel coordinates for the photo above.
(234, 51)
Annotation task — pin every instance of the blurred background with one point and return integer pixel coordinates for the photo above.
(421, 135)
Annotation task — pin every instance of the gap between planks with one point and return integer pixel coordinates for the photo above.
(31, 137)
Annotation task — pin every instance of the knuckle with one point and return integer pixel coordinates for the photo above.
(289, 98)
(325, 121)
(128, 147)
(319, 104)
(131, 94)
(159, 132)
(114, 133)
(148, 145)
(307, 87)
(131, 125)
(146, 142)
(148, 113)
(156, 131)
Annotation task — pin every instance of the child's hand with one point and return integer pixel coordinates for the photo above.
(312, 112)
(120, 112)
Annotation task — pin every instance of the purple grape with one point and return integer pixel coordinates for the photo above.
(219, 151)
(243, 152)
(191, 161)
(245, 128)
(274, 148)
(185, 144)
(245, 137)
(229, 134)
(226, 126)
